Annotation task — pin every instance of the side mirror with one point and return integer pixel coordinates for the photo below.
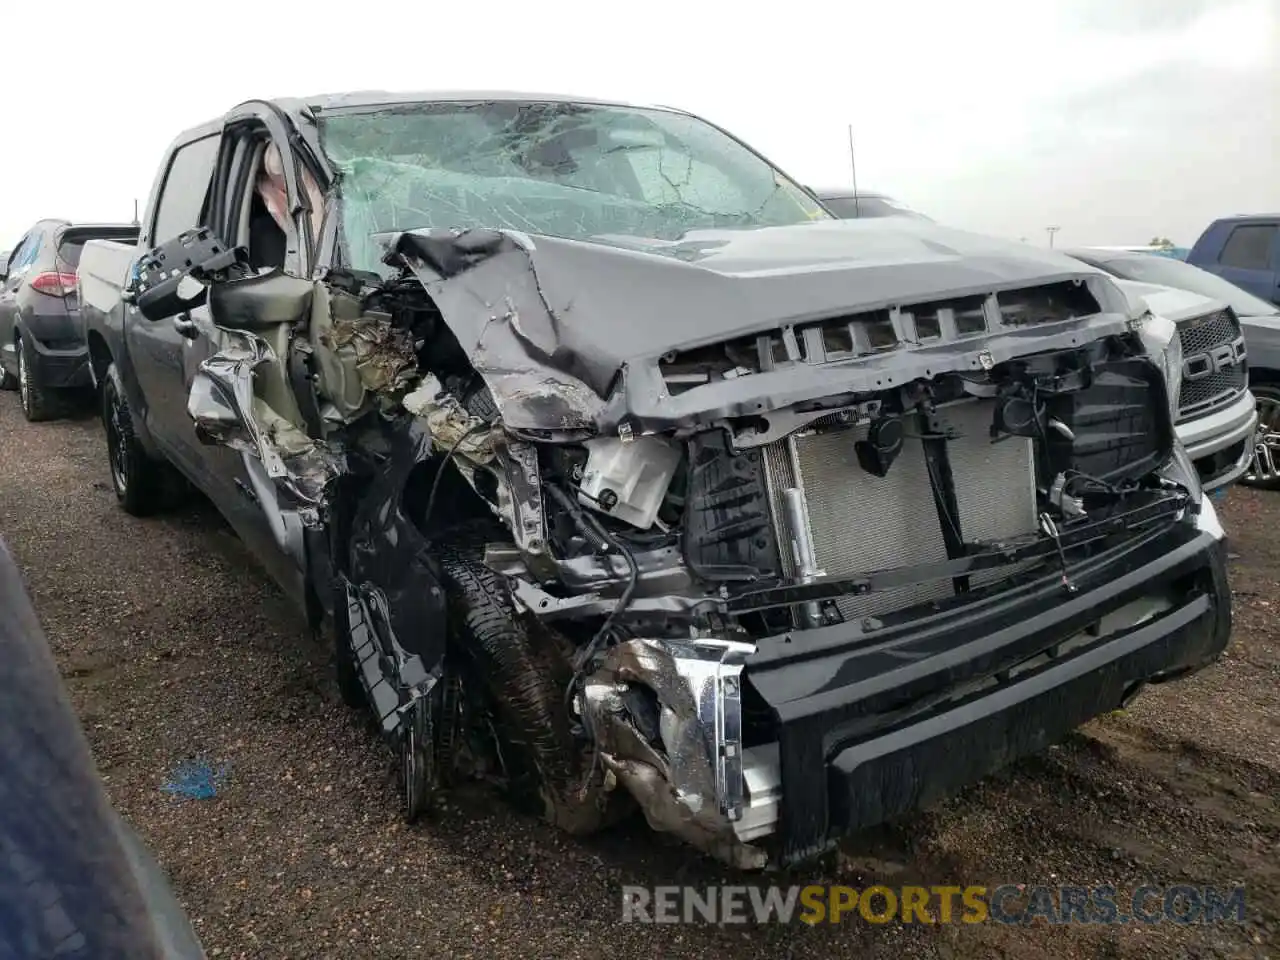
(174, 277)
(261, 302)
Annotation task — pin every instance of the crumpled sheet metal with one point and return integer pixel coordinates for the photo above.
(222, 403)
(485, 287)
(387, 550)
(677, 791)
(384, 355)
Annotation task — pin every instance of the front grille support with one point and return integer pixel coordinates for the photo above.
(942, 483)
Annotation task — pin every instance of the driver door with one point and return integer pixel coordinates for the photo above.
(244, 373)
(236, 394)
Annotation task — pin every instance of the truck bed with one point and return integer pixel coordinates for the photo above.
(104, 268)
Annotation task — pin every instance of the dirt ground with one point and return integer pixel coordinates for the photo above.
(174, 645)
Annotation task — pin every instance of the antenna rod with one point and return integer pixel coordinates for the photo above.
(853, 166)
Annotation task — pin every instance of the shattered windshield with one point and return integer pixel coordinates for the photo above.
(579, 171)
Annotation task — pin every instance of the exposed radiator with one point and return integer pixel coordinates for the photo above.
(862, 523)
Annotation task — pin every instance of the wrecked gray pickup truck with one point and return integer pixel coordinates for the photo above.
(628, 476)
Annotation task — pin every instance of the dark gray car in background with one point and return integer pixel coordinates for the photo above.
(42, 346)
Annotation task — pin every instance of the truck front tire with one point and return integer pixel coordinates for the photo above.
(522, 682)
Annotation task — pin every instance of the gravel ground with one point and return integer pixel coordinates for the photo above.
(174, 645)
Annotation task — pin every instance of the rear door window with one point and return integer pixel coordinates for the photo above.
(26, 254)
(15, 257)
(186, 185)
(1249, 247)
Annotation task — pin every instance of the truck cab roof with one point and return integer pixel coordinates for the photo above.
(357, 99)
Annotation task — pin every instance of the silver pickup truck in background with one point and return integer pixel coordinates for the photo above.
(1229, 362)
(1216, 419)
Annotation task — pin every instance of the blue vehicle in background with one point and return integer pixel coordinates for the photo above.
(1244, 250)
(1171, 253)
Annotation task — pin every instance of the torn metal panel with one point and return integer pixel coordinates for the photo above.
(225, 409)
(387, 549)
(287, 523)
(510, 333)
(690, 784)
(382, 354)
(393, 678)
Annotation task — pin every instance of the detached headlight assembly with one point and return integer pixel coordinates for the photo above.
(1160, 337)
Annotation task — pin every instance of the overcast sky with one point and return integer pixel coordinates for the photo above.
(1112, 119)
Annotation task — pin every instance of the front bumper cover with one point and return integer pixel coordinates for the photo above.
(871, 725)
(1220, 442)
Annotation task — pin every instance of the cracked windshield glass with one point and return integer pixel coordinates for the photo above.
(635, 177)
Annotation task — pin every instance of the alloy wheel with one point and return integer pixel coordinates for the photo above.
(115, 445)
(24, 380)
(1265, 466)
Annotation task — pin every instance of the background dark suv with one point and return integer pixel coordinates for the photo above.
(42, 348)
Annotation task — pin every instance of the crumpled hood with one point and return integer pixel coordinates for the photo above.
(626, 297)
(524, 308)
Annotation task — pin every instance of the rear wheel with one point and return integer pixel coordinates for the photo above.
(1264, 470)
(38, 403)
(142, 484)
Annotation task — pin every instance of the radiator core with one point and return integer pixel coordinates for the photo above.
(861, 523)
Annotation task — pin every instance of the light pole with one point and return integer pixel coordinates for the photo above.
(1051, 231)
